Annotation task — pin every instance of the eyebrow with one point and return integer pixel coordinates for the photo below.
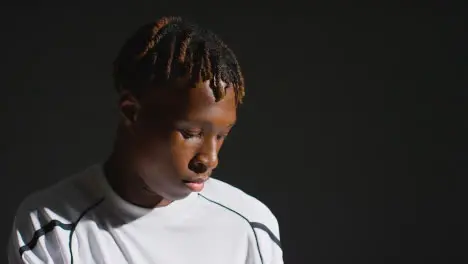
(199, 123)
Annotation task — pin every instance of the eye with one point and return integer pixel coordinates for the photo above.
(190, 134)
(222, 136)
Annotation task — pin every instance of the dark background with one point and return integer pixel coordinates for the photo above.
(351, 131)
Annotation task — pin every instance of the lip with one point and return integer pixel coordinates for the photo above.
(195, 185)
(196, 180)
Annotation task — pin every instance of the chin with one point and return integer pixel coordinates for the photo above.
(172, 194)
(177, 196)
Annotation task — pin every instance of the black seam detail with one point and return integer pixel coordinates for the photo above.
(76, 223)
(251, 224)
(41, 232)
(268, 231)
(50, 227)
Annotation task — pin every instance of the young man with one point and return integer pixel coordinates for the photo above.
(153, 200)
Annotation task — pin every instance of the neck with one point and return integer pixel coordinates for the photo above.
(125, 181)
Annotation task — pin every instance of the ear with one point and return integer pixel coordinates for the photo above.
(129, 108)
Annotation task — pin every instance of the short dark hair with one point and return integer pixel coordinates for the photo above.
(172, 48)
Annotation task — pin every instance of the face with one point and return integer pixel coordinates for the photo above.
(177, 135)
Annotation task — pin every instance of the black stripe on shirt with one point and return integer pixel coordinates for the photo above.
(268, 231)
(42, 232)
(49, 227)
(76, 223)
(253, 225)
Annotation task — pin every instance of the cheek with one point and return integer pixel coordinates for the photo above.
(181, 151)
(169, 154)
(150, 147)
(220, 144)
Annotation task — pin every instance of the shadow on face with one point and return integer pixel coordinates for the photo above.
(176, 135)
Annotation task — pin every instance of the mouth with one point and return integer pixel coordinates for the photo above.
(196, 180)
(196, 185)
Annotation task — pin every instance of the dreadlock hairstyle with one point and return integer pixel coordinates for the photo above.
(172, 48)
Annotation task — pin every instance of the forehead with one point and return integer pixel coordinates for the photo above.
(194, 104)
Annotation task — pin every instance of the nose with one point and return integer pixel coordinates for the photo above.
(210, 161)
(206, 159)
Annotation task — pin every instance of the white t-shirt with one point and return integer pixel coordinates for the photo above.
(81, 220)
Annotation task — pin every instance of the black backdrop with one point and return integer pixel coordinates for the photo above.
(346, 133)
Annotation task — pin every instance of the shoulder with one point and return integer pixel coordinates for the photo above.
(63, 201)
(246, 206)
(53, 211)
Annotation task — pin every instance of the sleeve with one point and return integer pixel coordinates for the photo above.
(33, 240)
(269, 243)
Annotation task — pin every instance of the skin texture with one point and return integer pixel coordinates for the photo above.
(171, 134)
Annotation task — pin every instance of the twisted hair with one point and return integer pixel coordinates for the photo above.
(171, 48)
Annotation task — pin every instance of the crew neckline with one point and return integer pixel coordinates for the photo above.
(175, 208)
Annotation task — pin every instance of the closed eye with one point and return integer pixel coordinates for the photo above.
(188, 134)
(222, 136)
